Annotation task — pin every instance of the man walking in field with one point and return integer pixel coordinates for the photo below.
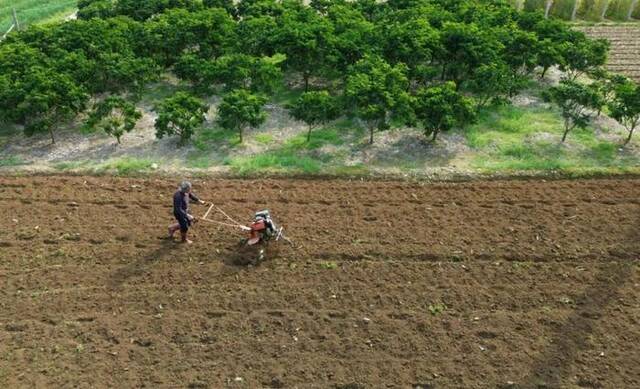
(181, 211)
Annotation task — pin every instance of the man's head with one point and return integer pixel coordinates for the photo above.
(185, 187)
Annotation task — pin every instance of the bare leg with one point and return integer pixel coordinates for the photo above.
(172, 229)
(184, 238)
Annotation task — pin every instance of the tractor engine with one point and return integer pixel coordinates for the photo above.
(262, 229)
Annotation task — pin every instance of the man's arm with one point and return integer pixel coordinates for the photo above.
(195, 198)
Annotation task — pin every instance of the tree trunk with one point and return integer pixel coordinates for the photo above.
(574, 12)
(371, 130)
(604, 9)
(566, 130)
(53, 139)
(309, 134)
(241, 130)
(544, 72)
(632, 7)
(547, 8)
(629, 137)
(435, 135)
(306, 81)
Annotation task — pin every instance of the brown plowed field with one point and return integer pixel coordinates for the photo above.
(470, 285)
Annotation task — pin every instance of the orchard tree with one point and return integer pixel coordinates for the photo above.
(257, 36)
(583, 56)
(441, 108)
(240, 109)
(549, 54)
(240, 71)
(375, 90)
(353, 35)
(48, 99)
(180, 115)
(625, 107)
(210, 33)
(306, 39)
(577, 102)
(89, 9)
(315, 109)
(607, 83)
(466, 47)
(413, 42)
(115, 116)
(491, 82)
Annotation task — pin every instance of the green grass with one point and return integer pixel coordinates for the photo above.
(274, 162)
(504, 140)
(34, 11)
(264, 139)
(11, 161)
(121, 166)
(126, 166)
(509, 125)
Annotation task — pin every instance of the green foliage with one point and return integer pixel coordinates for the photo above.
(306, 39)
(376, 90)
(46, 100)
(436, 309)
(328, 265)
(240, 109)
(315, 109)
(180, 115)
(583, 56)
(625, 107)
(11, 161)
(577, 102)
(115, 116)
(210, 33)
(234, 71)
(440, 108)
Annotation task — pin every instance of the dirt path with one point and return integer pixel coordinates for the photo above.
(485, 284)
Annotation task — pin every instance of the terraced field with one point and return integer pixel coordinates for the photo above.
(625, 47)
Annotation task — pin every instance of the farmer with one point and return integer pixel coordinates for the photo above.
(181, 211)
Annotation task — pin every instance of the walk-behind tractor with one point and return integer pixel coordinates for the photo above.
(260, 243)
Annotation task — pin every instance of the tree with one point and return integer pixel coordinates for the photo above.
(115, 116)
(466, 48)
(491, 82)
(353, 35)
(583, 56)
(240, 71)
(209, 33)
(306, 39)
(577, 102)
(549, 54)
(377, 90)
(413, 42)
(441, 108)
(180, 115)
(625, 107)
(315, 109)
(48, 99)
(89, 9)
(240, 109)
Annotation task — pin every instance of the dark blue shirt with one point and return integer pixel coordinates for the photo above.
(181, 203)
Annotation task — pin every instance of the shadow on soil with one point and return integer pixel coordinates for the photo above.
(136, 268)
(554, 365)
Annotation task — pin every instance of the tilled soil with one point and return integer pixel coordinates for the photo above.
(390, 284)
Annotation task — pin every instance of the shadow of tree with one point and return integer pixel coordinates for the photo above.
(556, 362)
